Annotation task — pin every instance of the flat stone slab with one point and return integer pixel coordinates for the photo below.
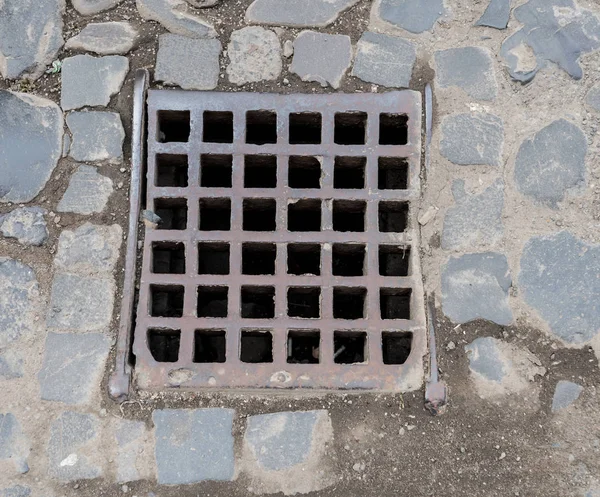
(26, 224)
(132, 442)
(565, 393)
(592, 98)
(321, 57)
(177, 16)
(193, 445)
(254, 55)
(11, 364)
(88, 192)
(105, 38)
(468, 68)
(73, 366)
(384, 60)
(496, 14)
(30, 37)
(16, 491)
(89, 7)
(471, 139)
(14, 444)
(297, 13)
(31, 131)
(551, 163)
(192, 64)
(96, 136)
(559, 279)
(475, 220)
(91, 81)
(415, 16)
(475, 286)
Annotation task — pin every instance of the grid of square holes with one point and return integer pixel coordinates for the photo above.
(285, 237)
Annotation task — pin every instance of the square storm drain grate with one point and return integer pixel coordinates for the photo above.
(287, 251)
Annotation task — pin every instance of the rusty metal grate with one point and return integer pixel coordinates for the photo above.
(287, 255)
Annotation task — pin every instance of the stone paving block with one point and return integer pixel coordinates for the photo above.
(31, 131)
(559, 279)
(177, 17)
(384, 60)
(16, 491)
(96, 136)
(105, 38)
(565, 393)
(415, 16)
(88, 192)
(551, 162)
(592, 99)
(193, 445)
(80, 303)
(26, 224)
(486, 359)
(321, 57)
(496, 14)
(468, 68)
(132, 455)
(14, 444)
(91, 81)
(11, 364)
(89, 7)
(297, 13)
(475, 286)
(470, 139)
(254, 55)
(72, 446)
(188, 63)
(30, 37)
(475, 220)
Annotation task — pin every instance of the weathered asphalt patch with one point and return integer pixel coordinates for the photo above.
(297, 13)
(88, 192)
(96, 136)
(26, 224)
(565, 393)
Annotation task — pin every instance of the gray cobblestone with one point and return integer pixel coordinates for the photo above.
(96, 136)
(177, 17)
(565, 393)
(297, 13)
(592, 99)
(26, 224)
(14, 444)
(89, 7)
(11, 365)
(416, 16)
(105, 38)
(496, 14)
(132, 454)
(16, 491)
(88, 192)
(254, 55)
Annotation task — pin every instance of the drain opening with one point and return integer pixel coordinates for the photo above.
(258, 258)
(173, 126)
(261, 127)
(164, 344)
(213, 258)
(172, 213)
(303, 346)
(349, 303)
(305, 128)
(350, 128)
(393, 129)
(396, 346)
(256, 346)
(216, 170)
(349, 215)
(304, 302)
(217, 127)
(258, 302)
(304, 215)
(168, 258)
(209, 346)
(394, 260)
(259, 214)
(215, 214)
(392, 174)
(348, 260)
(166, 301)
(171, 170)
(304, 172)
(303, 259)
(393, 217)
(395, 303)
(349, 172)
(212, 301)
(349, 347)
(260, 171)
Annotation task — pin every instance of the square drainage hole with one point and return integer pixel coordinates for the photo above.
(209, 346)
(396, 346)
(349, 303)
(350, 128)
(348, 260)
(303, 347)
(395, 303)
(304, 215)
(392, 173)
(305, 128)
(393, 129)
(258, 258)
(212, 301)
(213, 258)
(394, 260)
(261, 127)
(393, 217)
(304, 172)
(256, 346)
(304, 258)
(259, 214)
(304, 302)
(164, 344)
(217, 127)
(349, 347)
(166, 301)
(215, 214)
(168, 258)
(349, 172)
(171, 170)
(216, 170)
(172, 213)
(260, 171)
(349, 215)
(258, 302)
(173, 126)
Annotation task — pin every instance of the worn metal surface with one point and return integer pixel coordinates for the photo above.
(371, 374)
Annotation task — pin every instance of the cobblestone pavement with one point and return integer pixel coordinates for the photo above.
(510, 244)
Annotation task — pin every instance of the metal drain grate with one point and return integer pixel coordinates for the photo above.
(287, 253)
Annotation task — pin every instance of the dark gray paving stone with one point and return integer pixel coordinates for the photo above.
(16, 491)
(559, 279)
(91, 81)
(14, 444)
(468, 68)
(88, 192)
(254, 55)
(30, 36)
(556, 31)
(193, 445)
(415, 16)
(96, 136)
(26, 224)
(475, 286)
(321, 57)
(177, 17)
(72, 436)
(105, 38)
(486, 359)
(469, 139)
(297, 13)
(188, 63)
(89, 7)
(565, 393)
(551, 163)
(11, 364)
(496, 14)
(31, 131)
(475, 220)
(592, 99)
(384, 60)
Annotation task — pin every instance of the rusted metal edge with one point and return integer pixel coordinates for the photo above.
(436, 392)
(119, 381)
